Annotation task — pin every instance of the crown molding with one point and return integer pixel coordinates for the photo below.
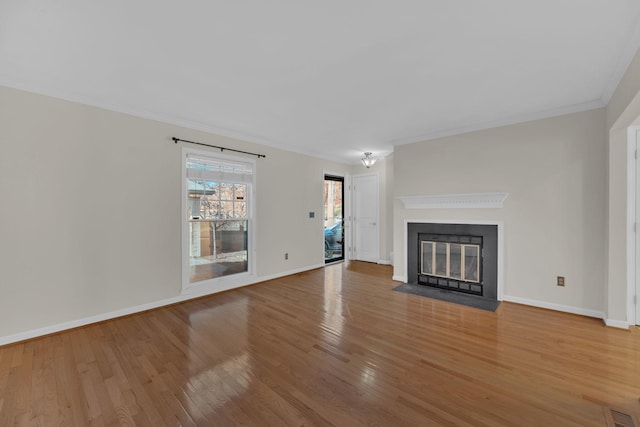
(626, 57)
(167, 119)
(448, 201)
(521, 118)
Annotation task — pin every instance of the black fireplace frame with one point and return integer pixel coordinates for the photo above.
(489, 258)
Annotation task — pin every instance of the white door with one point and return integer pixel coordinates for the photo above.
(637, 293)
(365, 224)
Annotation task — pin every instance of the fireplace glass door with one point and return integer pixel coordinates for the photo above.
(450, 260)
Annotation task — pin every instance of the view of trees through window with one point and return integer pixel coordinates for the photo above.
(216, 200)
(218, 226)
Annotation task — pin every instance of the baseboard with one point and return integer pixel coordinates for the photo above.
(616, 323)
(289, 272)
(214, 288)
(384, 261)
(399, 278)
(34, 333)
(556, 307)
(191, 294)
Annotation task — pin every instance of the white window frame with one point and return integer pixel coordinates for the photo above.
(218, 284)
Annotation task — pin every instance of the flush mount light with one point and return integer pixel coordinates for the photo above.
(367, 160)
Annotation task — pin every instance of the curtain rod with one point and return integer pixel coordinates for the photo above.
(216, 146)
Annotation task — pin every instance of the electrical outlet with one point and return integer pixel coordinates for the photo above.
(560, 280)
(286, 255)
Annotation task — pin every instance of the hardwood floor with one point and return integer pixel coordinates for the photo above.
(333, 346)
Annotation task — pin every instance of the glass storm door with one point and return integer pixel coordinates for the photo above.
(333, 218)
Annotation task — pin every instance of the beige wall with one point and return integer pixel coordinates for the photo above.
(389, 205)
(554, 217)
(66, 167)
(623, 111)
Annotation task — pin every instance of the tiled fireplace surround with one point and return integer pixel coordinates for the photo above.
(489, 260)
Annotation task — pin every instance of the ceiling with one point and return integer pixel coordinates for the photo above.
(328, 78)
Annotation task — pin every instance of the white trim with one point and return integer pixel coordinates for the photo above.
(193, 293)
(399, 278)
(442, 201)
(632, 256)
(219, 282)
(520, 118)
(499, 224)
(384, 261)
(168, 119)
(556, 307)
(290, 272)
(616, 324)
(184, 228)
(222, 131)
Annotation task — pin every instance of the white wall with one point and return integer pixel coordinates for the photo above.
(554, 217)
(90, 217)
(623, 111)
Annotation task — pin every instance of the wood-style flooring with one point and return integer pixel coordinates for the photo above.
(333, 346)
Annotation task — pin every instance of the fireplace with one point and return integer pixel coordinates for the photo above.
(451, 262)
(455, 257)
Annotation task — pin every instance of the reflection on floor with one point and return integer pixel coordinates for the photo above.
(334, 346)
(449, 296)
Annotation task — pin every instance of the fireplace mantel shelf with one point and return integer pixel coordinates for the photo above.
(448, 201)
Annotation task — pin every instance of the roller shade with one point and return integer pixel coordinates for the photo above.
(206, 169)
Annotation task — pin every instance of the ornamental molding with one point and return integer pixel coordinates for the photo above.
(449, 201)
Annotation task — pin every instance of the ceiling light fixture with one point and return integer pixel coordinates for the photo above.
(367, 160)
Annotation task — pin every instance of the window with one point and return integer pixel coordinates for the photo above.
(217, 213)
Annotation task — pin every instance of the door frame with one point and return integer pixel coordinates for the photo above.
(633, 217)
(346, 219)
(353, 209)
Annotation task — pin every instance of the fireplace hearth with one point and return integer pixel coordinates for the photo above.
(454, 257)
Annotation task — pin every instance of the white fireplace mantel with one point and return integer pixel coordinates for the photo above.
(447, 201)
